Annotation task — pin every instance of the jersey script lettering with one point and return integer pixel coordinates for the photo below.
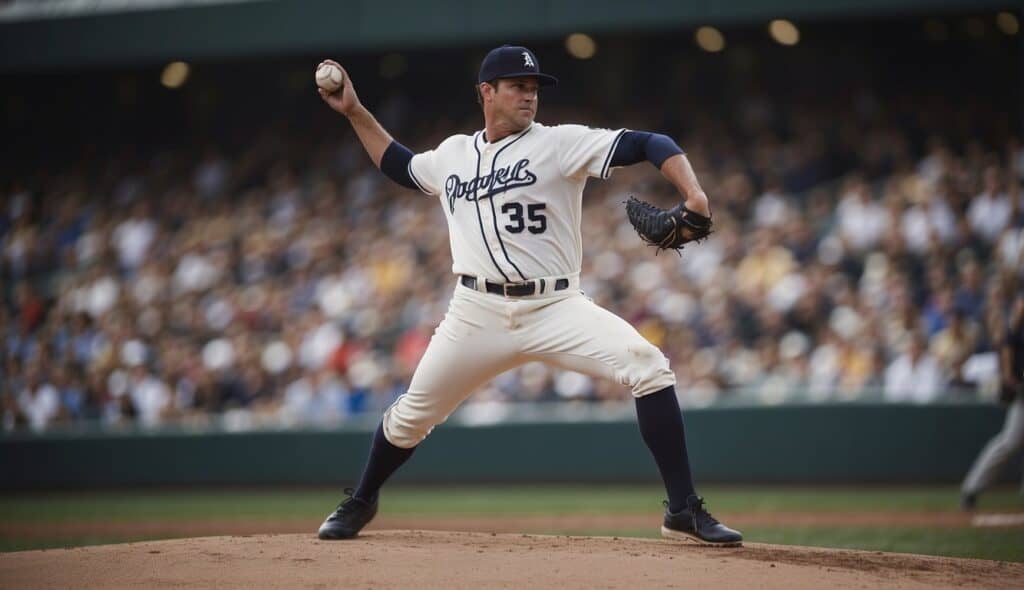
(497, 182)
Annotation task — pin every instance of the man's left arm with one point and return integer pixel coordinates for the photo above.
(678, 171)
(684, 223)
(665, 155)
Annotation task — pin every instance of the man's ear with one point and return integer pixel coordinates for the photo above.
(487, 91)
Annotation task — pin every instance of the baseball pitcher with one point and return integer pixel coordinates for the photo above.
(512, 196)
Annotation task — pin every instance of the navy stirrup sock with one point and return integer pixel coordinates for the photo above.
(385, 458)
(661, 426)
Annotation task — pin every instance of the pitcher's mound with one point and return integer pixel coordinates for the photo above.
(420, 559)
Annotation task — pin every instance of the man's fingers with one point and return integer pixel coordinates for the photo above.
(328, 61)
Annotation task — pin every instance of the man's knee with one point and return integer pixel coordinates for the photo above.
(652, 372)
(406, 426)
(1010, 443)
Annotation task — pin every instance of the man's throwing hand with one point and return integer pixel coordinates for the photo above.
(343, 100)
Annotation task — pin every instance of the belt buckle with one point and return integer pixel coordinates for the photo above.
(522, 285)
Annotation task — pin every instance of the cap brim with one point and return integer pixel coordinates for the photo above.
(542, 79)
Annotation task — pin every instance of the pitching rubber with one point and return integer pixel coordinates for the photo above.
(681, 536)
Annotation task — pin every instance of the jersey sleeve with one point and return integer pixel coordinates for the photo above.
(585, 151)
(423, 171)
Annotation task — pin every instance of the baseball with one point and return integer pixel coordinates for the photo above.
(329, 77)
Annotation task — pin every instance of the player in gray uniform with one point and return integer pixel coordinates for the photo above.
(512, 197)
(1009, 443)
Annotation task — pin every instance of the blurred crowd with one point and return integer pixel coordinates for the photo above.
(859, 258)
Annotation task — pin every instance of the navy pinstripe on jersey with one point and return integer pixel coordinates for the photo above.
(494, 214)
(476, 201)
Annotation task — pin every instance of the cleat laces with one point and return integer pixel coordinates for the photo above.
(701, 516)
(348, 505)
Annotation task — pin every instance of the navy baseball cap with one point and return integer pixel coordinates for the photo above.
(512, 61)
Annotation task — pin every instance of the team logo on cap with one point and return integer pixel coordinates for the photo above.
(528, 60)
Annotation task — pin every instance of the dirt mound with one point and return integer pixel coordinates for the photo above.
(386, 559)
(504, 523)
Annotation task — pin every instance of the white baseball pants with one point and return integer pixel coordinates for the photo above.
(999, 451)
(484, 334)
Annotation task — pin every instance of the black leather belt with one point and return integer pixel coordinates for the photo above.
(514, 289)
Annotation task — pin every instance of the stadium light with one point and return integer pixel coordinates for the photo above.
(1007, 23)
(175, 74)
(581, 46)
(710, 39)
(784, 32)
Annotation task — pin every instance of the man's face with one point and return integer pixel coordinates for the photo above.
(513, 100)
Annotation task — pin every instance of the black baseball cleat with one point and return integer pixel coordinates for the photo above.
(350, 518)
(695, 523)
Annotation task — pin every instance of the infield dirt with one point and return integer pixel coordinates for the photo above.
(434, 559)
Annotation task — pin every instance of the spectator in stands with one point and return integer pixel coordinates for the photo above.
(915, 376)
(862, 220)
(991, 210)
(952, 346)
(39, 401)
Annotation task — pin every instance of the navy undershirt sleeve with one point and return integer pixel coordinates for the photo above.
(637, 146)
(395, 164)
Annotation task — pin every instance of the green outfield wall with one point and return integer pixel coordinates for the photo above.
(860, 443)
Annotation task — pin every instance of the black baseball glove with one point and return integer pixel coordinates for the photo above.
(666, 229)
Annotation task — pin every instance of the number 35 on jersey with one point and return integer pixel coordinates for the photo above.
(513, 206)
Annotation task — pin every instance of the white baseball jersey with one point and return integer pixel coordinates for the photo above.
(514, 212)
(514, 206)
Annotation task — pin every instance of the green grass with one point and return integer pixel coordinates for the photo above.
(7, 544)
(165, 505)
(276, 504)
(313, 504)
(852, 499)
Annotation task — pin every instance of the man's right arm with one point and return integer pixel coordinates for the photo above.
(391, 157)
(372, 135)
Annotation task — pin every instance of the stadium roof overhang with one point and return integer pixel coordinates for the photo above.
(63, 33)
